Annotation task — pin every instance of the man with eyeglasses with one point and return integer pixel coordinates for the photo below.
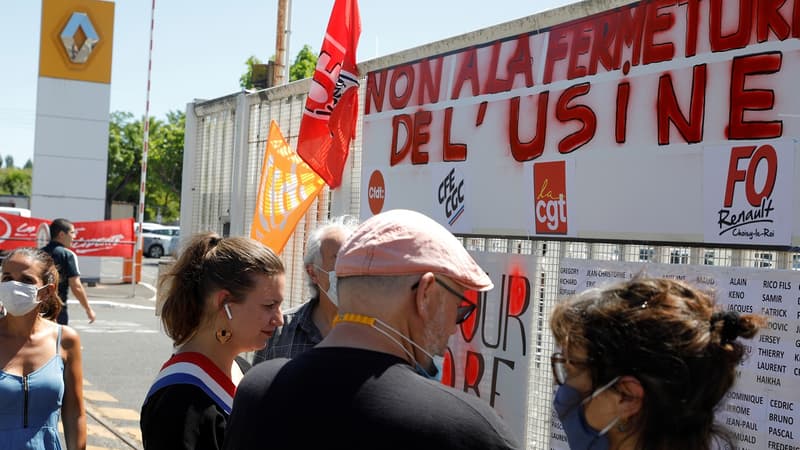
(62, 232)
(372, 380)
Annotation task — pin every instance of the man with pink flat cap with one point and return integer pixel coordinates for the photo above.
(371, 383)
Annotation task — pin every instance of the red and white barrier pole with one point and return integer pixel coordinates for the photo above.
(145, 148)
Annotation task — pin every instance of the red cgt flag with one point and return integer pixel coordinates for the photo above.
(329, 118)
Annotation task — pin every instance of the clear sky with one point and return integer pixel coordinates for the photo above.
(200, 47)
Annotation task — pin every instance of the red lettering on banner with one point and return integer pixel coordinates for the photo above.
(399, 153)
(399, 100)
(519, 298)
(605, 32)
(743, 100)
(645, 33)
(556, 51)
(473, 372)
(376, 88)
(580, 113)
(421, 136)
(448, 368)
(581, 42)
(657, 22)
(513, 302)
(737, 39)
(430, 83)
(769, 18)
(494, 83)
(526, 151)
(631, 26)
(796, 19)
(692, 23)
(467, 72)
(451, 151)
(621, 124)
(669, 111)
(521, 63)
(417, 135)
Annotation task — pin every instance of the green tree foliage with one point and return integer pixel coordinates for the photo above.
(9, 162)
(124, 159)
(303, 67)
(164, 163)
(28, 164)
(15, 181)
(246, 80)
(304, 64)
(165, 167)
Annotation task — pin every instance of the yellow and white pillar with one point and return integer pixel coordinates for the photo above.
(72, 110)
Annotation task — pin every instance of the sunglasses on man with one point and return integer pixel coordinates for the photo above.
(464, 310)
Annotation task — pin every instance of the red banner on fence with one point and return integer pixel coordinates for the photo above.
(98, 238)
(17, 231)
(104, 238)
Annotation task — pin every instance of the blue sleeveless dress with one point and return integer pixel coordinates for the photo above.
(30, 406)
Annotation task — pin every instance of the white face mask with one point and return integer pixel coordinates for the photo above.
(19, 298)
(331, 292)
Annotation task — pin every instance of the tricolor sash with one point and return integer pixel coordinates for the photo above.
(197, 370)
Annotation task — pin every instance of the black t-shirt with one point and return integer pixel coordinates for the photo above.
(335, 397)
(184, 417)
(67, 265)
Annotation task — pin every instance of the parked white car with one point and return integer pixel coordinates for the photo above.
(158, 239)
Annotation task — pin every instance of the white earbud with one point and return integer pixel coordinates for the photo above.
(227, 309)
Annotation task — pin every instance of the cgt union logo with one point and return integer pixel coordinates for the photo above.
(763, 161)
(451, 196)
(550, 197)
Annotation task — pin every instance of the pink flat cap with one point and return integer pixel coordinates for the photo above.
(403, 242)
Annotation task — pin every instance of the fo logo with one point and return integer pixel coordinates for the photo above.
(763, 157)
(550, 197)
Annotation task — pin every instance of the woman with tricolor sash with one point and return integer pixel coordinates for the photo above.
(223, 299)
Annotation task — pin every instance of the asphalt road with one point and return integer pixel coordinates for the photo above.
(122, 352)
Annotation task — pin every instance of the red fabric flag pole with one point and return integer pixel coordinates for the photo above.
(329, 118)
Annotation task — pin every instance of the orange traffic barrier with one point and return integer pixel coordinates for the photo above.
(127, 268)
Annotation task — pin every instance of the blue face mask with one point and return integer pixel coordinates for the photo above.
(436, 371)
(568, 404)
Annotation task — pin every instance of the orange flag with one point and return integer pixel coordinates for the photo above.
(286, 190)
(329, 117)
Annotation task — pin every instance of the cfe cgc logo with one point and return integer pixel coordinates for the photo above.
(550, 197)
(452, 196)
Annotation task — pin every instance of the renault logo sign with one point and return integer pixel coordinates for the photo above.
(79, 37)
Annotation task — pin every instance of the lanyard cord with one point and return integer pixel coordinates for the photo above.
(372, 322)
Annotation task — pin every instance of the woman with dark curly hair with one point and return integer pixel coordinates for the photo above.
(643, 365)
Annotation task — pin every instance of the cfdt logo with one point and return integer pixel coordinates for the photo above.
(550, 197)
(753, 170)
(451, 196)
(376, 192)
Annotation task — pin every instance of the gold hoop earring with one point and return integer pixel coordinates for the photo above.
(223, 335)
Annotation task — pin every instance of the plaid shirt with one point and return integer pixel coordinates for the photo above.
(297, 334)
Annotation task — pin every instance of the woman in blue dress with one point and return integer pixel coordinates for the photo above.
(40, 361)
